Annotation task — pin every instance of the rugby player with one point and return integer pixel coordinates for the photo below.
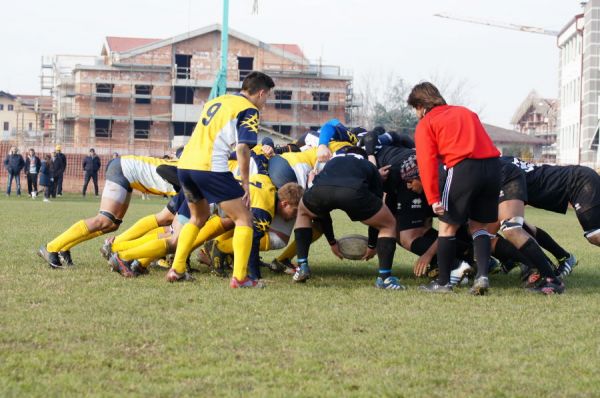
(348, 182)
(123, 175)
(228, 121)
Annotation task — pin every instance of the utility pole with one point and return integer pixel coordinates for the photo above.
(220, 85)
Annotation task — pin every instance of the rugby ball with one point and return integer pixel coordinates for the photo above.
(353, 247)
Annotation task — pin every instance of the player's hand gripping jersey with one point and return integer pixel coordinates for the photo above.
(226, 121)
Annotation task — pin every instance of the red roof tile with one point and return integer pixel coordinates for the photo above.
(122, 44)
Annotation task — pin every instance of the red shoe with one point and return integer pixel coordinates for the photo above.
(246, 283)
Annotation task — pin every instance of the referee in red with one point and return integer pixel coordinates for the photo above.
(454, 136)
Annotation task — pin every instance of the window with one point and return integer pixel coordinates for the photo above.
(10, 107)
(104, 92)
(314, 128)
(103, 128)
(183, 128)
(320, 96)
(283, 95)
(6, 126)
(282, 129)
(30, 127)
(1, 107)
(184, 95)
(141, 129)
(245, 66)
(183, 63)
(142, 90)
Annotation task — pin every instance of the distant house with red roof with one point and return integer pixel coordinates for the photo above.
(144, 93)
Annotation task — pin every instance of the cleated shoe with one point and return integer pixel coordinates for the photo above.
(137, 268)
(222, 263)
(531, 279)
(549, 287)
(566, 265)
(302, 273)
(106, 249)
(391, 283)
(50, 257)
(494, 266)
(173, 276)
(435, 287)
(459, 273)
(480, 286)
(285, 266)
(246, 283)
(66, 258)
(121, 266)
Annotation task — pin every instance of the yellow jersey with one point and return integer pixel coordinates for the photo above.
(141, 173)
(226, 121)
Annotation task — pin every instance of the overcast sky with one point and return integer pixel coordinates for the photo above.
(372, 39)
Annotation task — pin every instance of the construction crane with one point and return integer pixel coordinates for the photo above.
(502, 25)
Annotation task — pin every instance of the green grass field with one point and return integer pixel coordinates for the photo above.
(88, 332)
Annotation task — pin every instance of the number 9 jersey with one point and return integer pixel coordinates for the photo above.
(226, 121)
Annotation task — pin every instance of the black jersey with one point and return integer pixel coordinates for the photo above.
(350, 171)
(548, 187)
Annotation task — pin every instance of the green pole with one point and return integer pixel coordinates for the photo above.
(220, 85)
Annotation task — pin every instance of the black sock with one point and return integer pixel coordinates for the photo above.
(303, 238)
(482, 248)
(421, 244)
(386, 247)
(508, 254)
(446, 254)
(538, 259)
(546, 241)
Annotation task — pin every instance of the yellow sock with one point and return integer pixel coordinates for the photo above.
(290, 251)
(211, 229)
(225, 245)
(82, 239)
(138, 229)
(128, 244)
(187, 236)
(144, 262)
(242, 245)
(153, 249)
(74, 233)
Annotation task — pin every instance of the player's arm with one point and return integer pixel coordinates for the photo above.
(243, 156)
(247, 133)
(326, 224)
(427, 160)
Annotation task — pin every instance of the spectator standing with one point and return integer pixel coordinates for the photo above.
(32, 169)
(91, 166)
(60, 165)
(14, 163)
(47, 177)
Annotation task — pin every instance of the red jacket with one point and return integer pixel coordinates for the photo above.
(449, 134)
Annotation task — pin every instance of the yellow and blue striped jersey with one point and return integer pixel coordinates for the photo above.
(141, 173)
(226, 121)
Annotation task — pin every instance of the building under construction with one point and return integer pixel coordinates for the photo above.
(145, 95)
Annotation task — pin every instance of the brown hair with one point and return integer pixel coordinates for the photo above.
(256, 81)
(291, 193)
(425, 95)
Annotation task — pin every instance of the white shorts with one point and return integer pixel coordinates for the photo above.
(114, 191)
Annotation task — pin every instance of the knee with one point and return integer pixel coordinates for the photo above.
(594, 239)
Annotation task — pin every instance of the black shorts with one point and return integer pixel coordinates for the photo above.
(513, 184)
(114, 173)
(412, 210)
(359, 204)
(585, 189)
(471, 191)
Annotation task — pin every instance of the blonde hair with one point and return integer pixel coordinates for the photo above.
(291, 193)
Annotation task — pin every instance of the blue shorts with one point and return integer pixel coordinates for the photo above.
(175, 202)
(212, 186)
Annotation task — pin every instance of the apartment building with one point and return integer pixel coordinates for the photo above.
(142, 94)
(538, 117)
